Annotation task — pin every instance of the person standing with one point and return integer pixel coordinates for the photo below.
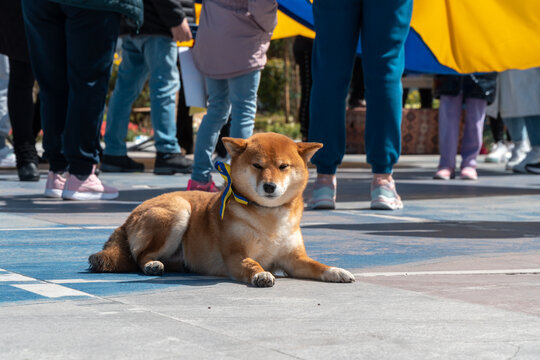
(149, 52)
(476, 92)
(7, 158)
(517, 101)
(230, 51)
(23, 112)
(71, 45)
(383, 28)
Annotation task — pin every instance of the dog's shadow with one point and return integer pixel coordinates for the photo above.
(186, 279)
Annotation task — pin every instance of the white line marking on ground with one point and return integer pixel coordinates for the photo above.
(9, 276)
(168, 278)
(452, 272)
(62, 228)
(86, 281)
(402, 218)
(40, 287)
(51, 290)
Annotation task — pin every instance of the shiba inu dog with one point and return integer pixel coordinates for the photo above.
(212, 234)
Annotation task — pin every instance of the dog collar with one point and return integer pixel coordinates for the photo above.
(225, 171)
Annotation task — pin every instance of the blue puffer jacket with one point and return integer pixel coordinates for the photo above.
(131, 9)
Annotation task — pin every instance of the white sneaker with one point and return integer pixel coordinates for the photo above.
(499, 153)
(519, 152)
(7, 158)
(532, 157)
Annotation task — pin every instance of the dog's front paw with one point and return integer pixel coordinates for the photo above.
(335, 274)
(263, 279)
(154, 268)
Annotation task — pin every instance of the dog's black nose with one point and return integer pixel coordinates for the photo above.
(269, 188)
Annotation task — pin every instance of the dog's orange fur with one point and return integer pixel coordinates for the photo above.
(182, 231)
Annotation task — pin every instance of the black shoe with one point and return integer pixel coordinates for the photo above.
(28, 172)
(110, 163)
(533, 168)
(172, 163)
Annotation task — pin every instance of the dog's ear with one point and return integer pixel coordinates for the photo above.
(234, 146)
(307, 149)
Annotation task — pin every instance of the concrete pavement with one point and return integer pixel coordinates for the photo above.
(454, 275)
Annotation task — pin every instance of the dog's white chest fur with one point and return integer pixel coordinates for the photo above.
(270, 239)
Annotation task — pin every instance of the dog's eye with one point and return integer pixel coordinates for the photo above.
(257, 166)
(283, 166)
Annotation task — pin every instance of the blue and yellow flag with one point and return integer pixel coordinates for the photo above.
(453, 36)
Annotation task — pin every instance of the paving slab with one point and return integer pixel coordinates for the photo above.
(455, 274)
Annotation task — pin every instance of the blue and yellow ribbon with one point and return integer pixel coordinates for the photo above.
(225, 171)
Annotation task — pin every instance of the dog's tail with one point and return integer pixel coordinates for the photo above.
(115, 256)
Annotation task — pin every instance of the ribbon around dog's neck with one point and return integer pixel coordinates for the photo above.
(225, 171)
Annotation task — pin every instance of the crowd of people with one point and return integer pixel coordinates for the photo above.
(68, 47)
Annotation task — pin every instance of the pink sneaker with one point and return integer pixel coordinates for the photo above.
(469, 173)
(384, 195)
(55, 184)
(200, 186)
(444, 174)
(89, 189)
(323, 196)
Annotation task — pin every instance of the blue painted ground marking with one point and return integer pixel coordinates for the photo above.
(55, 261)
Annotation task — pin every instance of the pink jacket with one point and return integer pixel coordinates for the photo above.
(233, 36)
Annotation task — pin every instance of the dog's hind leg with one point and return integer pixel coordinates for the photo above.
(157, 238)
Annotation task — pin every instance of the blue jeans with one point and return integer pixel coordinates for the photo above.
(521, 127)
(383, 28)
(239, 95)
(142, 56)
(71, 52)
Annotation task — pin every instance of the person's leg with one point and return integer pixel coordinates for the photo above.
(334, 51)
(161, 55)
(243, 97)
(450, 108)
(21, 109)
(45, 31)
(90, 45)
(130, 80)
(475, 113)
(225, 131)
(496, 126)
(219, 107)
(517, 128)
(357, 93)
(184, 121)
(303, 59)
(532, 156)
(426, 98)
(384, 30)
(7, 158)
(4, 114)
(500, 149)
(518, 132)
(532, 124)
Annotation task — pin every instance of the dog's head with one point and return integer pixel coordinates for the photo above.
(269, 169)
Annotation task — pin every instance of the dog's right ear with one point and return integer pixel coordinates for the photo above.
(307, 149)
(234, 146)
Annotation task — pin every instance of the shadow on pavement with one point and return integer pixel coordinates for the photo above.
(443, 229)
(126, 202)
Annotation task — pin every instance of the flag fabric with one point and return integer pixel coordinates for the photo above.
(451, 36)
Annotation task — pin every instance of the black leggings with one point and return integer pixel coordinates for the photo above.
(23, 113)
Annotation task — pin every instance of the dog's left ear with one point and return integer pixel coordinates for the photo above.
(307, 149)
(234, 146)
